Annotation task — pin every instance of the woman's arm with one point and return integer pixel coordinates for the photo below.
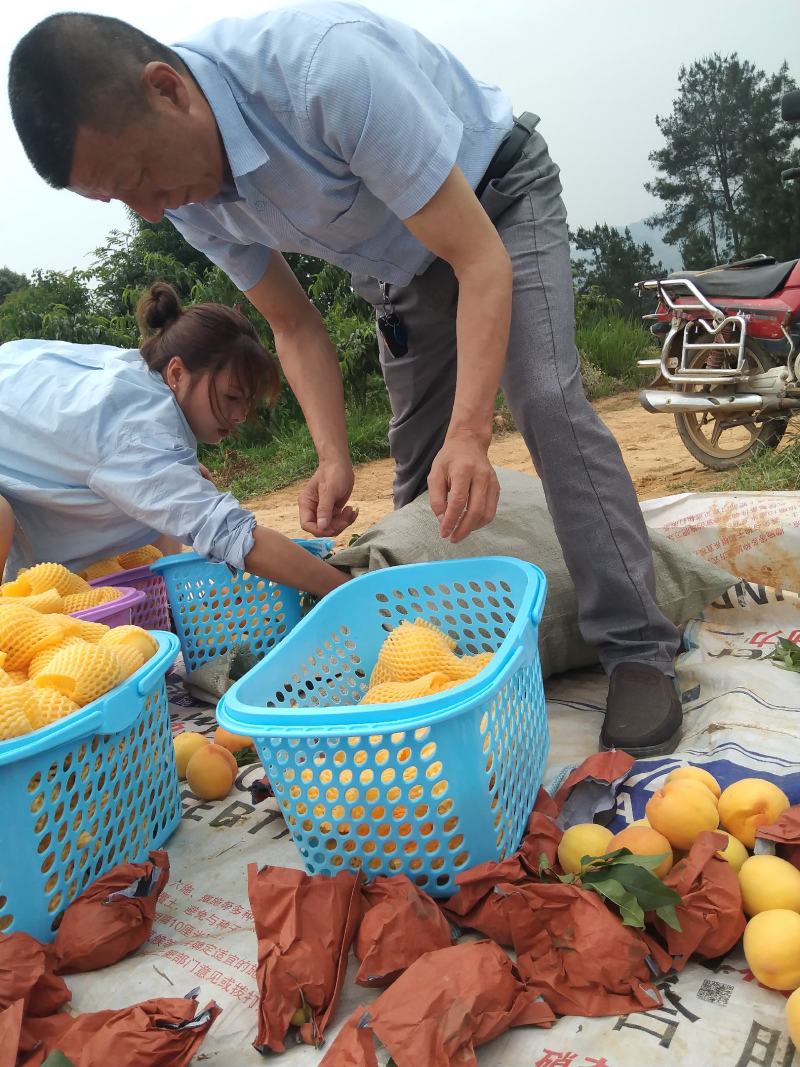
(156, 480)
(275, 557)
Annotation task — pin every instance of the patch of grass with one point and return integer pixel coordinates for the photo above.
(613, 345)
(766, 471)
(249, 466)
(250, 470)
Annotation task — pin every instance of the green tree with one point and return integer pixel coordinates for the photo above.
(61, 307)
(130, 262)
(612, 264)
(10, 281)
(350, 322)
(719, 168)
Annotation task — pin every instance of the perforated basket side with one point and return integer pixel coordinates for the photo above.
(484, 605)
(152, 613)
(426, 787)
(214, 611)
(74, 810)
(115, 612)
(429, 801)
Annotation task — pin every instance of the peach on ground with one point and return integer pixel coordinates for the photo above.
(645, 841)
(734, 852)
(681, 811)
(768, 882)
(748, 804)
(696, 774)
(233, 742)
(185, 745)
(582, 839)
(210, 772)
(772, 948)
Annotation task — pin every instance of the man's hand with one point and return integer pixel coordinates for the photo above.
(323, 502)
(463, 487)
(206, 473)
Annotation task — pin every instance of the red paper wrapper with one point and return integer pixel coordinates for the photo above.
(164, 1032)
(11, 1032)
(112, 918)
(441, 1009)
(610, 767)
(354, 1045)
(591, 789)
(401, 924)
(476, 905)
(710, 913)
(305, 925)
(785, 833)
(576, 953)
(26, 974)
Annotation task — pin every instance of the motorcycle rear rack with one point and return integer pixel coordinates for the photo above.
(693, 327)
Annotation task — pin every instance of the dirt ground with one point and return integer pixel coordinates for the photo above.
(658, 462)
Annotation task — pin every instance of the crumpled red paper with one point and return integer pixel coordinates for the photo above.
(710, 913)
(38, 1036)
(305, 925)
(441, 1009)
(354, 1045)
(11, 1032)
(785, 833)
(164, 1032)
(26, 974)
(476, 905)
(112, 918)
(400, 925)
(591, 789)
(576, 953)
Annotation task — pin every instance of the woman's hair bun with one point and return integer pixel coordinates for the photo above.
(158, 308)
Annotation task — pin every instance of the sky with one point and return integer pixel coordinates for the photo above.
(596, 71)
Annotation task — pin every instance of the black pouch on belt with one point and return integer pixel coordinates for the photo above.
(508, 152)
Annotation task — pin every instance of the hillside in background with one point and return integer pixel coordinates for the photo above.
(668, 254)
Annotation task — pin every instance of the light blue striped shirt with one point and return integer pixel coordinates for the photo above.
(96, 458)
(337, 124)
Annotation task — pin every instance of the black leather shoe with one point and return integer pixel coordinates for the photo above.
(643, 713)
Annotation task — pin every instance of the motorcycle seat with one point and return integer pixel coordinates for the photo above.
(753, 279)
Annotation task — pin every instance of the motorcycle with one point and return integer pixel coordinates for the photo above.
(729, 358)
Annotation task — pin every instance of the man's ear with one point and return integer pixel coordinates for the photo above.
(163, 84)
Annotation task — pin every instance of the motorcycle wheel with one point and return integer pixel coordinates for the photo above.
(702, 431)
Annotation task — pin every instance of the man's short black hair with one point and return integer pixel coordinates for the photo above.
(75, 70)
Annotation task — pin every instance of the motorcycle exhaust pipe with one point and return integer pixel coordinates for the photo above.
(659, 401)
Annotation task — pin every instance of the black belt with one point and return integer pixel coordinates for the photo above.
(507, 154)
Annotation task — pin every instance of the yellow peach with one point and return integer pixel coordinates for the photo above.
(210, 772)
(645, 841)
(748, 804)
(681, 811)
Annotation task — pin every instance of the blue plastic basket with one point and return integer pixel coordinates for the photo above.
(93, 790)
(215, 609)
(428, 787)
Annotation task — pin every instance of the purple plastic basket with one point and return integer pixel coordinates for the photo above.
(117, 612)
(151, 613)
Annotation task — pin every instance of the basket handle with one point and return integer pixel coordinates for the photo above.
(537, 607)
(158, 666)
(118, 712)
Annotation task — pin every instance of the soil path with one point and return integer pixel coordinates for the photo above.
(658, 462)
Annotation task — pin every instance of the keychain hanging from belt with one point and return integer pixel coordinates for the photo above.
(392, 330)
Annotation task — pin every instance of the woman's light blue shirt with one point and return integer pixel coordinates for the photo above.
(96, 458)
